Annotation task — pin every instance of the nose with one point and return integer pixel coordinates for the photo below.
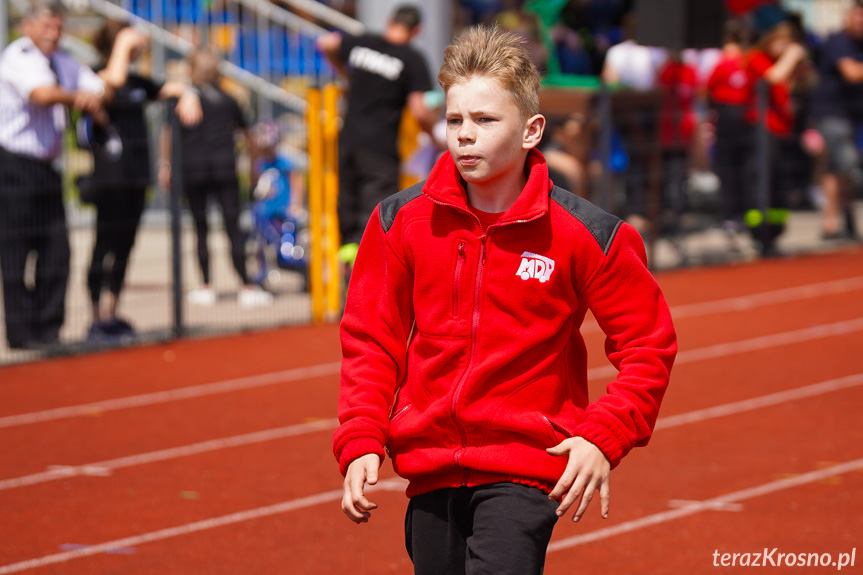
(466, 132)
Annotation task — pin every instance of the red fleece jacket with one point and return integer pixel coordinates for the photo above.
(462, 355)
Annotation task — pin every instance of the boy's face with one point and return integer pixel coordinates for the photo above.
(486, 134)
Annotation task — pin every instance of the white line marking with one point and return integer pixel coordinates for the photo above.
(690, 310)
(755, 344)
(697, 507)
(104, 468)
(166, 396)
(395, 484)
(746, 302)
(759, 402)
(679, 503)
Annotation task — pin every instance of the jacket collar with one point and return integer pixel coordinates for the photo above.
(445, 186)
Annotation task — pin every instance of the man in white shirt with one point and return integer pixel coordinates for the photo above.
(38, 81)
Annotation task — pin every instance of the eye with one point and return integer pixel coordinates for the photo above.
(453, 122)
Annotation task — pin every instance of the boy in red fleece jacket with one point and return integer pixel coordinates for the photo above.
(462, 355)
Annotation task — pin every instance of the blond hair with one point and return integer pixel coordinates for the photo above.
(492, 52)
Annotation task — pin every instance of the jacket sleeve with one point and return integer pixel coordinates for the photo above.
(640, 342)
(375, 329)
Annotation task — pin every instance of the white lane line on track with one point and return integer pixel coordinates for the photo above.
(689, 310)
(93, 469)
(746, 302)
(104, 468)
(710, 504)
(685, 356)
(394, 484)
(754, 403)
(754, 344)
(166, 396)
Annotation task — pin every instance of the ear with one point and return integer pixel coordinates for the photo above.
(534, 128)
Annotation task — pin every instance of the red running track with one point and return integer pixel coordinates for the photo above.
(213, 455)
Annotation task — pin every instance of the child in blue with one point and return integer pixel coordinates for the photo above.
(275, 209)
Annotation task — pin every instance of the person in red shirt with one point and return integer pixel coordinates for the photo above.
(679, 84)
(463, 358)
(776, 59)
(728, 90)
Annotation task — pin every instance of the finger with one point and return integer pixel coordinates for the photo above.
(371, 475)
(571, 497)
(563, 484)
(358, 498)
(605, 497)
(585, 501)
(365, 505)
(354, 514)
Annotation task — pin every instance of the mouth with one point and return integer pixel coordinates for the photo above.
(468, 160)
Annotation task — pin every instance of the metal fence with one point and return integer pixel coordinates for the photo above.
(693, 204)
(271, 68)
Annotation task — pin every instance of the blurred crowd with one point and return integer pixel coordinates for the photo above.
(44, 92)
(775, 109)
(706, 116)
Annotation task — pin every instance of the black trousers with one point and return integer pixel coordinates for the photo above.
(366, 177)
(118, 214)
(32, 225)
(735, 150)
(496, 529)
(227, 194)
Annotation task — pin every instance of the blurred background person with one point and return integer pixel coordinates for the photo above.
(837, 112)
(678, 81)
(777, 59)
(210, 170)
(728, 91)
(278, 212)
(566, 146)
(634, 66)
(385, 74)
(37, 82)
(118, 184)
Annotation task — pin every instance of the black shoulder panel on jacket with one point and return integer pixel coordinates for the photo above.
(391, 206)
(602, 225)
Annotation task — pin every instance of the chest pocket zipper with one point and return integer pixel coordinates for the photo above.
(456, 280)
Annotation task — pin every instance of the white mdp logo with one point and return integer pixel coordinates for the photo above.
(535, 266)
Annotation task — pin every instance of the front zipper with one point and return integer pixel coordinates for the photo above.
(473, 332)
(456, 280)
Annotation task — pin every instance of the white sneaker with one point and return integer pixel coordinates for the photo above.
(254, 297)
(202, 296)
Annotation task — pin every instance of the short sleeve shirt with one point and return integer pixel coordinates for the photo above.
(780, 114)
(209, 152)
(835, 96)
(126, 112)
(381, 77)
(27, 128)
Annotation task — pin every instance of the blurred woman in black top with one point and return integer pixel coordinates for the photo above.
(118, 184)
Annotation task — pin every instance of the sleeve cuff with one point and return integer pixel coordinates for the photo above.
(604, 439)
(358, 448)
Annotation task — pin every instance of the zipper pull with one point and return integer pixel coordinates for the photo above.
(461, 249)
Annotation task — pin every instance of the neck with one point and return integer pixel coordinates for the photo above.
(497, 195)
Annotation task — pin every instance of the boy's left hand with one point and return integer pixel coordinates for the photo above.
(586, 471)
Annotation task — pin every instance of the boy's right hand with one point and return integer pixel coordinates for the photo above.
(361, 470)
